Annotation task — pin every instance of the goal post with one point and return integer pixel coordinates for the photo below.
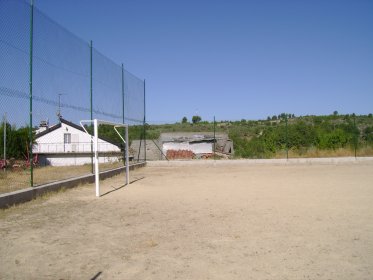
(95, 140)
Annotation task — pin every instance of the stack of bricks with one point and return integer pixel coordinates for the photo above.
(180, 154)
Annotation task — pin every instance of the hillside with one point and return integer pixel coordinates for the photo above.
(305, 136)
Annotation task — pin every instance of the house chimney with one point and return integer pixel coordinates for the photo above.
(44, 125)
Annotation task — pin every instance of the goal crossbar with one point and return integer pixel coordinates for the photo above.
(94, 139)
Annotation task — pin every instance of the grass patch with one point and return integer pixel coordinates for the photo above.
(17, 179)
(317, 153)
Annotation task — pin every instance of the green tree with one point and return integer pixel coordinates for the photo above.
(196, 119)
(184, 120)
(334, 139)
(16, 141)
(368, 134)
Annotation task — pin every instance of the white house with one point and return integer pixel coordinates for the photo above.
(68, 144)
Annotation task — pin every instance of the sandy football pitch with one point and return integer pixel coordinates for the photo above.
(200, 222)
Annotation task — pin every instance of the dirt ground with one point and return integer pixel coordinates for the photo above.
(200, 222)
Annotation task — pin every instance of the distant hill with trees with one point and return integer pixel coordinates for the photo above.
(304, 136)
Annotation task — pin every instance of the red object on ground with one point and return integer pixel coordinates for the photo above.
(180, 154)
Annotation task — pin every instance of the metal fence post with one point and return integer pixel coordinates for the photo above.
(356, 136)
(122, 93)
(5, 127)
(286, 131)
(30, 84)
(214, 138)
(91, 97)
(144, 123)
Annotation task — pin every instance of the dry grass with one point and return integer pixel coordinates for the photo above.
(13, 180)
(365, 152)
(316, 153)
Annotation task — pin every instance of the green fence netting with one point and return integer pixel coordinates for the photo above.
(50, 80)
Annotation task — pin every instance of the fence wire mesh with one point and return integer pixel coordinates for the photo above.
(71, 81)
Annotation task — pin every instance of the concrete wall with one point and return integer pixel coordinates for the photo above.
(196, 148)
(69, 159)
(170, 136)
(152, 151)
(292, 161)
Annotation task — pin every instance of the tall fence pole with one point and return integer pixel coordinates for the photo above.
(144, 122)
(356, 136)
(122, 93)
(5, 121)
(127, 145)
(91, 95)
(30, 88)
(214, 138)
(287, 141)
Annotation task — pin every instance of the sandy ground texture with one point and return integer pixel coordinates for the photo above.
(200, 222)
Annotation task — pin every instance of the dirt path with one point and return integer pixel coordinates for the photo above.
(200, 222)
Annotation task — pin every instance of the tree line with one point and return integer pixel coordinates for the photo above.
(303, 134)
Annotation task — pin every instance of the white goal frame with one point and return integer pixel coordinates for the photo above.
(94, 139)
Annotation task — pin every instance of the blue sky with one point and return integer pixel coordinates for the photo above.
(234, 59)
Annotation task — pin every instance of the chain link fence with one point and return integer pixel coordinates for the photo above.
(50, 80)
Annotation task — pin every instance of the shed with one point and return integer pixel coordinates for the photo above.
(187, 145)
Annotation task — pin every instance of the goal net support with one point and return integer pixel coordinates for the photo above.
(95, 140)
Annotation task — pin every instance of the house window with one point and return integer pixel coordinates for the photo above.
(67, 138)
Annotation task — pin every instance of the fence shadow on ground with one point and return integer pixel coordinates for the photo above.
(96, 276)
(122, 186)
